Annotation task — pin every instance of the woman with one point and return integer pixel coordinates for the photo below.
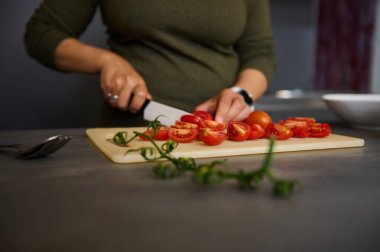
(185, 53)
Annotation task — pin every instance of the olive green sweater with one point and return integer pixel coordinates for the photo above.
(186, 50)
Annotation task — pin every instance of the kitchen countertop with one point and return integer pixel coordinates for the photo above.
(77, 200)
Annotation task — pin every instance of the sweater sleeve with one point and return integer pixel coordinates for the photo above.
(54, 21)
(256, 46)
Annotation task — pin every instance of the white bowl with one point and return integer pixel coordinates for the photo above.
(357, 110)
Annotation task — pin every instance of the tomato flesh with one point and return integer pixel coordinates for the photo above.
(184, 125)
(219, 126)
(256, 132)
(302, 119)
(298, 127)
(212, 137)
(183, 135)
(162, 134)
(238, 131)
(278, 131)
(318, 130)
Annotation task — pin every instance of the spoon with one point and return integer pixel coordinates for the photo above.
(48, 146)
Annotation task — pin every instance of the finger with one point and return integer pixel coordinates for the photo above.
(244, 113)
(208, 106)
(126, 92)
(237, 105)
(223, 107)
(105, 82)
(140, 94)
(115, 88)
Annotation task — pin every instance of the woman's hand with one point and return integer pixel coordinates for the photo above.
(226, 106)
(122, 85)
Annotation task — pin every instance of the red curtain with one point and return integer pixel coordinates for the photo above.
(344, 45)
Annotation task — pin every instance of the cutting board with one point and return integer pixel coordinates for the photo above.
(102, 139)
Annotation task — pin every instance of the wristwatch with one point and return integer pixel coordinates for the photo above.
(247, 96)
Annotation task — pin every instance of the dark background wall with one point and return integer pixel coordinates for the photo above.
(32, 96)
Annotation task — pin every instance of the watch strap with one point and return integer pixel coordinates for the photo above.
(246, 95)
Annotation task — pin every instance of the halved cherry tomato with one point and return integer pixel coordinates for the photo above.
(302, 119)
(184, 125)
(212, 137)
(257, 132)
(203, 114)
(300, 132)
(183, 135)
(258, 117)
(298, 127)
(318, 130)
(191, 119)
(293, 123)
(278, 131)
(238, 131)
(162, 134)
(213, 125)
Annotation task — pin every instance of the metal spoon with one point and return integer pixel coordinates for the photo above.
(48, 146)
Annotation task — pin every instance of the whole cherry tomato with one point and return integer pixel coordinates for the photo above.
(258, 117)
(203, 114)
(191, 119)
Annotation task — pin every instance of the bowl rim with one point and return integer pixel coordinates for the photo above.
(351, 97)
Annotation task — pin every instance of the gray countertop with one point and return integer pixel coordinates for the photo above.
(77, 200)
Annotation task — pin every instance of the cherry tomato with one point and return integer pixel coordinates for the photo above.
(191, 119)
(212, 137)
(318, 130)
(184, 125)
(258, 117)
(302, 119)
(257, 132)
(161, 134)
(278, 131)
(213, 125)
(183, 135)
(300, 132)
(238, 131)
(293, 123)
(203, 114)
(298, 127)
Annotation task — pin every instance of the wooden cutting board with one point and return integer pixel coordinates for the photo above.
(102, 138)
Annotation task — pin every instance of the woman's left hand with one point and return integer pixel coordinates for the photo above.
(226, 106)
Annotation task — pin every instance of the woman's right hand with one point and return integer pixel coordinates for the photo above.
(122, 85)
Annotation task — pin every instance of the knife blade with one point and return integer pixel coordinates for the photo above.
(168, 115)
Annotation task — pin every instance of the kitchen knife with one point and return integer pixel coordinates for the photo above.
(168, 115)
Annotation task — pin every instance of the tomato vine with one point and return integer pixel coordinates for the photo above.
(206, 173)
